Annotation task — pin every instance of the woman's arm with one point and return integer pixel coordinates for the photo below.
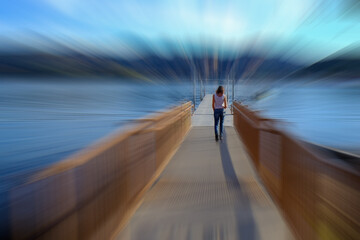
(225, 102)
(213, 102)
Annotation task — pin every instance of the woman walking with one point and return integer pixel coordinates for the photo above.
(219, 104)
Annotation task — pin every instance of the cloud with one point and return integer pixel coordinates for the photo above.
(65, 6)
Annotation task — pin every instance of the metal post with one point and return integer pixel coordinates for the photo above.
(194, 84)
(227, 87)
(200, 90)
(204, 88)
(233, 89)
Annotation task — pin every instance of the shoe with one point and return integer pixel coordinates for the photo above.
(221, 137)
(216, 137)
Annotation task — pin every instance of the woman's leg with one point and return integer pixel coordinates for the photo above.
(222, 116)
(216, 121)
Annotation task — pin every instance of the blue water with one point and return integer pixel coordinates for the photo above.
(323, 113)
(44, 122)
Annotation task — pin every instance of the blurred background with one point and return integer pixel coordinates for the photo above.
(72, 71)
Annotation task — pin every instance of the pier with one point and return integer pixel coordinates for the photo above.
(167, 178)
(209, 190)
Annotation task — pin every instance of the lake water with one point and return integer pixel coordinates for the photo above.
(44, 122)
(327, 114)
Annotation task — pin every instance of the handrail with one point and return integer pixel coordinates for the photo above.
(319, 197)
(88, 194)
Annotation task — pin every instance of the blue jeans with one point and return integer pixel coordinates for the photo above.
(219, 114)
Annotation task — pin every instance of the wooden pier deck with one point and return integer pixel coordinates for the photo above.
(209, 190)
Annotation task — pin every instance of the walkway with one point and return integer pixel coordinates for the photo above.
(209, 190)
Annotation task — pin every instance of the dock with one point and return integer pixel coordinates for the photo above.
(165, 177)
(209, 190)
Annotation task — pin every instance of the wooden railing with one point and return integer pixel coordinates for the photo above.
(319, 195)
(90, 195)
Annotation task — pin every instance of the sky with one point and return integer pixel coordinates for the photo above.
(306, 29)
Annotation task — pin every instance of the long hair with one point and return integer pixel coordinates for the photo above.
(220, 89)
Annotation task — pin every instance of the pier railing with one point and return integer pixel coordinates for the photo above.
(89, 194)
(319, 195)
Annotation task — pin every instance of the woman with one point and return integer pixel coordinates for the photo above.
(219, 104)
